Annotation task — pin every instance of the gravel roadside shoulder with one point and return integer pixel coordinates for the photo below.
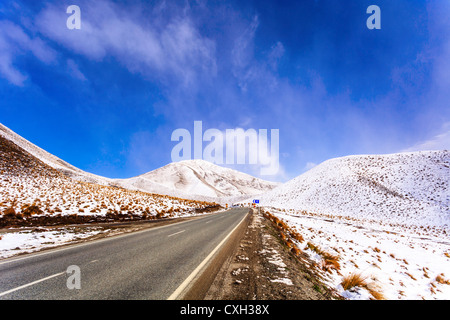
(262, 268)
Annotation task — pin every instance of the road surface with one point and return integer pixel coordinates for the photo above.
(155, 263)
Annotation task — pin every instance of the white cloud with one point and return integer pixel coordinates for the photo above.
(246, 68)
(140, 151)
(242, 53)
(175, 48)
(440, 141)
(74, 70)
(309, 166)
(255, 150)
(15, 42)
(436, 102)
(276, 53)
(8, 71)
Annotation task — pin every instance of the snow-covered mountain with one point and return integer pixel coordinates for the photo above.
(205, 178)
(405, 188)
(30, 187)
(190, 179)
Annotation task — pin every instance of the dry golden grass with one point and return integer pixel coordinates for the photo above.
(329, 261)
(10, 212)
(354, 280)
(30, 182)
(376, 293)
(296, 250)
(287, 234)
(410, 275)
(440, 279)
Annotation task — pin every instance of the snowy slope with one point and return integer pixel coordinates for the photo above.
(28, 186)
(405, 188)
(384, 218)
(191, 179)
(207, 179)
(52, 160)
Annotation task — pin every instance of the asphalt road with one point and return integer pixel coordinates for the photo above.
(150, 264)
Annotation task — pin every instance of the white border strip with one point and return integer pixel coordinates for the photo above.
(194, 273)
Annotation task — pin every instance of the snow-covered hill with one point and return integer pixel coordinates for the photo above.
(205, 178)
(30, 187)
(51, 160)
(192, 179)
(404, 188)
(383, 218)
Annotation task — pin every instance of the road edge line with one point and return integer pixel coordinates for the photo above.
(182, 287)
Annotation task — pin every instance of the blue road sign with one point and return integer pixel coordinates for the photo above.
(256, 201)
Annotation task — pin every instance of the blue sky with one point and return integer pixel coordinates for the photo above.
(107, 97)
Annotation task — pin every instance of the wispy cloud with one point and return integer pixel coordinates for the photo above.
(331, 89)
(175, 49)
(74, 70)
(249, 70)
(440, 141)
(14, 43)
(309, 166)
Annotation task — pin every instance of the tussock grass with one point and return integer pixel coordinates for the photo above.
(354, 280)
(329, 261)
(440, 279)
(31, 191)
(288, 235)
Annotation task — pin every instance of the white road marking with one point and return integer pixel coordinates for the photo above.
(174, 295)
(31, 283)
(194, 273)
(72, 246)
(175, 233)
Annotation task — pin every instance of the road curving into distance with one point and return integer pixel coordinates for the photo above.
(156, 263)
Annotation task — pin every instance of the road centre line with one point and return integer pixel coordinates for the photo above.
(31, 283)
(72, 246)
(175, 233)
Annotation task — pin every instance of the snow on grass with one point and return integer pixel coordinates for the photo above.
(386, 217)
(399, 263)
(406, 188)
(27, 241)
